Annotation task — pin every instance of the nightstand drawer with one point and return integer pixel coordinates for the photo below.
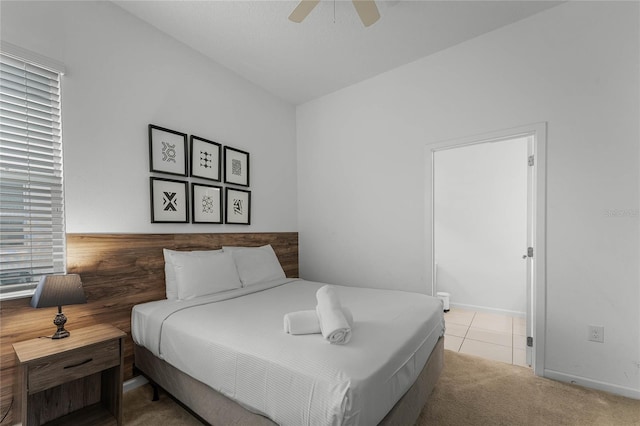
(54, 371)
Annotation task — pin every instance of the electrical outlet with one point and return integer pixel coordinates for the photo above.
(596, 333)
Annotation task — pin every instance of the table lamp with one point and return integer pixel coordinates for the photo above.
(58, 290)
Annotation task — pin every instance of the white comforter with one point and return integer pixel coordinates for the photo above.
(234, 343)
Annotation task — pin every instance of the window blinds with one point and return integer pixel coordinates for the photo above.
(31, 198)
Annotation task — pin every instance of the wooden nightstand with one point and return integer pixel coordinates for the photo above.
(71, 381)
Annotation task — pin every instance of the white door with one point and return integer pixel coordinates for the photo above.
(529, 256)
(534, 265)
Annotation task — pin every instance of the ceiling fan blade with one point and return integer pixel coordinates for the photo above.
(367, 10)
(302, 10)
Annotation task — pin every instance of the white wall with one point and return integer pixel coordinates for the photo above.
(362, 168)
(123, 74)
(480, 225)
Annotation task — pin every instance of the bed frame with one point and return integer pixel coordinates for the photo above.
(216, 409)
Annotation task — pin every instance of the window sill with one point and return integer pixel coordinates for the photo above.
(20, 294)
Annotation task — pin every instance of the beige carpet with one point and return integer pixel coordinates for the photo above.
(474, 391)
(139, 410)
(471, 391)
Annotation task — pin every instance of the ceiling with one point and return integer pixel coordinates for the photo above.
(331, 49)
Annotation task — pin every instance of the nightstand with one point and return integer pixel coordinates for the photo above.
(72, 381)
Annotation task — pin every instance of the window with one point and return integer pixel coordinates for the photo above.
(32, 238)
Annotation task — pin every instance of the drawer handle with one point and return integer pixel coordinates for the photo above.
(79, 364)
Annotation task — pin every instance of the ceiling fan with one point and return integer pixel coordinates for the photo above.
(367, 10)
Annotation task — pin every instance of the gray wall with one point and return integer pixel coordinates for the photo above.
(363, 211)
(480, 225)
(123, 74)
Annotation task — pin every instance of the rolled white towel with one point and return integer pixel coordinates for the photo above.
(301, 322)
(333, 324)
(307, 322)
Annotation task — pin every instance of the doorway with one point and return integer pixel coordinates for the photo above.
(487, 226)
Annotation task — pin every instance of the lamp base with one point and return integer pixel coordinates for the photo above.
(60, 334)
(60, 321)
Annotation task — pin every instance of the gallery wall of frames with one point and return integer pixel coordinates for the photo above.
(198, 167)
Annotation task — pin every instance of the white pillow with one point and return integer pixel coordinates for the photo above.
(197, 273)
(256, 264)
(169, 268)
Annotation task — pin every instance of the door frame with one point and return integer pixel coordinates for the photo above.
(536, 298)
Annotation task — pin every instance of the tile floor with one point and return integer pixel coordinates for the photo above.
(488, 335)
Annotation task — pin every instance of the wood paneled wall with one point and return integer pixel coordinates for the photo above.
(118, 271)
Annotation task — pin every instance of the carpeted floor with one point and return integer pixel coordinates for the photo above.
(475, 391)
(471, 391)
(139, 410)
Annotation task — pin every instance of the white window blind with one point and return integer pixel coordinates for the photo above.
(32, 239)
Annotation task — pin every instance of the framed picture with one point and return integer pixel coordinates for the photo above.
(238, 210)
(169, 201)
(236, 166)
(206, 203)
(167, 151)
(205, 158)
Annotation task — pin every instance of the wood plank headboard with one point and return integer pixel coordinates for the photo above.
(118, 271)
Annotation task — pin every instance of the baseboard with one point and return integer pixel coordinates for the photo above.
(136, 382)
(593, 384)
(487, 309)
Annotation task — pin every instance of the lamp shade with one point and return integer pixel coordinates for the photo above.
(58, 290)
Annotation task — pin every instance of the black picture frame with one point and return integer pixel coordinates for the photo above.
(205, 159)
(237, 206)
(169, 201)
(206, 203)
(236, 166)
(167, 151)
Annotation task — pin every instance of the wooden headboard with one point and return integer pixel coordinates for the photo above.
(118, 271)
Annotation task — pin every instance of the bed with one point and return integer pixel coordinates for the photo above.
(225, 355)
